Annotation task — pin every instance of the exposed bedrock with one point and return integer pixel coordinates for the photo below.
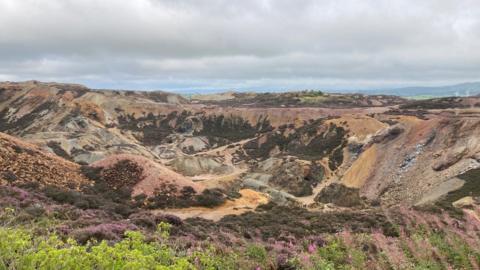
(290, 147)
(197, 165)
(339, 195)
(287, 175)
(407, 165)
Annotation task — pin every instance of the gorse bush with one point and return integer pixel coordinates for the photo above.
(20, 250)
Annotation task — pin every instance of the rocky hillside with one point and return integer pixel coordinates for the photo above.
(414, 156)
(270, 181)
(305, 148)
(23, 163)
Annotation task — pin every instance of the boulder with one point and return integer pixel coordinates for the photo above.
(464, 202)
(388, 133)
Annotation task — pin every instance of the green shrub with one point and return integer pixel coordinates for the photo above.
(257, 253)
(334, 253)
(454, 249)
(20, 250)
(211, 198)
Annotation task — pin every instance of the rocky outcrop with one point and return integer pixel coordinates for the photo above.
(288, 175)
(387, 134)
(197, 165)
(295, 177)
(476, 156)
(313, 140)
(465, 202)
(259, 182)
(439, 191)
(82, 124)
(340, 195)
(407, 166)
(449, 158)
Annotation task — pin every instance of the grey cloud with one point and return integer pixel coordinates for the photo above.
(251, 43)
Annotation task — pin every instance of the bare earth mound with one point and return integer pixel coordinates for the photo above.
(152, 176)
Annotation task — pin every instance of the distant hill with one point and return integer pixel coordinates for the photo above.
(417, 92)
(463, 89)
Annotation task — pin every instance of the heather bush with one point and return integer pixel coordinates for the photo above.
(92, 173)
(37, 233)
(114, 201)
(168, 196)
(104, 231)
(211, 198)
(22, 249)
(73, 197)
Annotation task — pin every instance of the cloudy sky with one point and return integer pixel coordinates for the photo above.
(245, 44)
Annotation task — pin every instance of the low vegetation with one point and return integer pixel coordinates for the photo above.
(305, 98)
(231, 128)
(312, 141)
(421, 243)
(436, 103)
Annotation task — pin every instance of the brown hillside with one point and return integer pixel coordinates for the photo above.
(22, 162)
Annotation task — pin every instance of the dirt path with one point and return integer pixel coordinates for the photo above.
(223, 148)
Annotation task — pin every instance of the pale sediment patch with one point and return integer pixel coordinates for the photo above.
(249, 200)
(360, 171)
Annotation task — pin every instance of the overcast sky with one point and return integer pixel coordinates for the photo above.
(245, 44)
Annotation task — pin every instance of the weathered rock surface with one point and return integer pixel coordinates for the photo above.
(196, 165)
(340, 195)
(465, 202)
(442, 189)
(409, 166)
(449, 158)
(290, 147)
